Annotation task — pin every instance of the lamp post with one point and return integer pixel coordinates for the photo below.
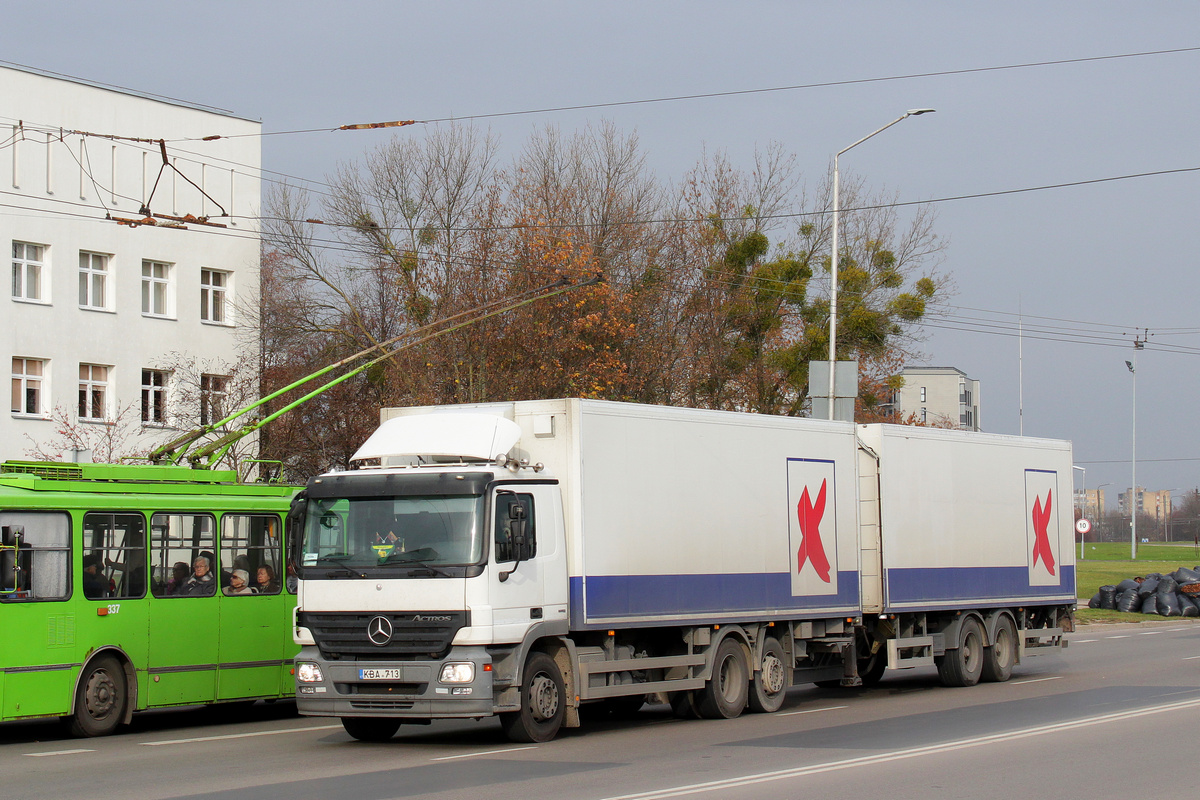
(833, 266)
(1083, 505)
(1133, 492)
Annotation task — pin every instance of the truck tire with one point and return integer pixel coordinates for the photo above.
(683, 704)
(543, 702)
(963, 665)
(998, 660)
(870, 669)
(100, 698)
(725, 694)
(371, 729)
(769, 689)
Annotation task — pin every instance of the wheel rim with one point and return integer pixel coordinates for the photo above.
(730, 679)
(972, 652)
(100, 695)
(1003, 646)
(773, 675)
(543, 697)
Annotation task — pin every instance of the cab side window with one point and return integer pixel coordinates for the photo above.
(177, 543)
(114, 560)
(504, 550)
(35, 549)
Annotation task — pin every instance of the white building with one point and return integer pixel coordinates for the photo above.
(942, 396)
(113, 329)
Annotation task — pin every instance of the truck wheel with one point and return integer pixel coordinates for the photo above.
(543, 703)
(683, 705)
(963, 665)
(998, 660)
(768, 690)
(725, 694)
(371, 729)
(870, 669)
(100, 699)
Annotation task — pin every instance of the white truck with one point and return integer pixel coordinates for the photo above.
(532, 559)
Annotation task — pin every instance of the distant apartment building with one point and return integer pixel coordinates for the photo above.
(942, 396)
(1156, 505)
(1090, 502)
(114, 324)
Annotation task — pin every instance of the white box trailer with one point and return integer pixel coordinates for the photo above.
(526, 559)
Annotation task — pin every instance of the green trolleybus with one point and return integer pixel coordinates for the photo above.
(127, 587)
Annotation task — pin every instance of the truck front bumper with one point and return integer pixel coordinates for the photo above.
(404, 689)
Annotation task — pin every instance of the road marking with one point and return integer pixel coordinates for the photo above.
(60, 753)
(898, 755)
(239, 735)
(810, 711)
(1037, 680)
(1123, 636)
(1189, 658)
(485, 753)
(1083, 641)
(1149, 633)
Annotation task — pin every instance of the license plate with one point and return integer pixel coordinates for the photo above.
(379, 674)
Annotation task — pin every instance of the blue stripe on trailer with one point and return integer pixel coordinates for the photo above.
(936, 586)
(663, 599)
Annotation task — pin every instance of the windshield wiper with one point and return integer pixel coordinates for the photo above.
(333, 559)
(400, 558)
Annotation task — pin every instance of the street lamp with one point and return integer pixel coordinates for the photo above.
(1083, 505)
(1133, 543)
(833, 267)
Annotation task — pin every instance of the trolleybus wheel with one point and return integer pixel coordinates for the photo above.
(100, 698)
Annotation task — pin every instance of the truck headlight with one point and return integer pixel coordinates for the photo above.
(457, 673)
(308, 673)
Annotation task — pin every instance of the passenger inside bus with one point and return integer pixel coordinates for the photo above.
(266, 580)
(179, 576)
(239, 583)
(95, 585)
(201, 581)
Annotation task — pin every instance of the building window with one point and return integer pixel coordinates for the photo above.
(154, 397)
(27, 263)
(155, 289)
(214, 286)
(923, 395)
(27, 376)
(924, 415)
(212, 398)
(93, 280)
(93, 392)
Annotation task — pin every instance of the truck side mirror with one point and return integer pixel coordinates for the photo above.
(293, 530)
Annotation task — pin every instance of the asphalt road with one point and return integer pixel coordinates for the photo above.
(1111, 717)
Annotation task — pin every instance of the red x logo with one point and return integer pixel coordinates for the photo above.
(811, 548)
(1041, 543)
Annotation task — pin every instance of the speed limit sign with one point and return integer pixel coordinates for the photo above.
(1083, 525)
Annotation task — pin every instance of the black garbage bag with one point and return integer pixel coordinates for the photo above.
(1126, 585)
(1150, 604)
(1128, 601)
(1168, 604)
(1108, 597)
(1148, 586)
(1184, 575)
(1167, 585)
(1095, 601)
(1187, 606)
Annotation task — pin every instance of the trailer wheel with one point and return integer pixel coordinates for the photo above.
(963, 665)
(100, 699)
(543, 703)
(371, 729)
(998, 660)
(725, 694)
(769, 689)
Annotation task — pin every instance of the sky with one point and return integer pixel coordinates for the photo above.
(1086, 267)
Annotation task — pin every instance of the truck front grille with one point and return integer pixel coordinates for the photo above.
(343, 635)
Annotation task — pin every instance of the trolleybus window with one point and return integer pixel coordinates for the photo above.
(35, 549)
(176, 541)
(251, 542)
(116, 544)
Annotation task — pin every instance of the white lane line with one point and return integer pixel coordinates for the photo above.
(809, 711)
(897, 755)
(1037, 680)
(240, 735)
(1148, 633)
(1189, 658)
(485, 753)
(1083, 641)
(1123, 636)
(59, 753)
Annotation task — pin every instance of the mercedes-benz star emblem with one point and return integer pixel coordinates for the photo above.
(379, 631)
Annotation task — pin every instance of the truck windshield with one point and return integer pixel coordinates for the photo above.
(410, 536)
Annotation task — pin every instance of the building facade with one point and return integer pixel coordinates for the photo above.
(1156, 505)
(124, 325)
(942, 396)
